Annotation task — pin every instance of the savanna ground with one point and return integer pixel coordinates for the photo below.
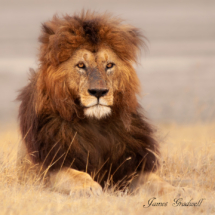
(188, 159)
(177, 76)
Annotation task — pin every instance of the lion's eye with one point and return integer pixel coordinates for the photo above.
(109, 65)
(81, 65)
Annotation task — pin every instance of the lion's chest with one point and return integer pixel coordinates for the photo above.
(103, 151)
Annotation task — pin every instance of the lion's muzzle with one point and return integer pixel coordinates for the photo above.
(97, 102)
(98, 92)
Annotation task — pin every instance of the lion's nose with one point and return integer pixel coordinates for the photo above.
(98, 92)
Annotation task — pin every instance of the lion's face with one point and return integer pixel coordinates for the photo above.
(93, 77)
(86, 67)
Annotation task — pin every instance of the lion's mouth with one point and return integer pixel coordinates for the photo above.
(97, 111)
(98, 104)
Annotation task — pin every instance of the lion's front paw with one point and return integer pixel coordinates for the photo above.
(74, 183)
(88, 188)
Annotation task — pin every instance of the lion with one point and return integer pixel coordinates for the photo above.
(81, 125)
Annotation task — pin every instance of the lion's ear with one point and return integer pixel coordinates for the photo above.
(135, 40)
(48, 28)
(48, 41)
(135, 37)
(59, 38)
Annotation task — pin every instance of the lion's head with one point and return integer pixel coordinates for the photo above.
(86, 66)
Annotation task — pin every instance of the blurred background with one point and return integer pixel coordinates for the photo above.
(177, 72)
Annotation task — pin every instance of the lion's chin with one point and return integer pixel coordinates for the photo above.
(97, 111)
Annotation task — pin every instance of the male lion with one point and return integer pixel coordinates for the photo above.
(80, 121)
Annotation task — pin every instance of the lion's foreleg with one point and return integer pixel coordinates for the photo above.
(153, 184)
(73, 182)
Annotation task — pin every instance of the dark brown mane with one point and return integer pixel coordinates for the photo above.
(61, 37)
(52, 123)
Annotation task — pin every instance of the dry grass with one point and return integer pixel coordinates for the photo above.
(188, 158)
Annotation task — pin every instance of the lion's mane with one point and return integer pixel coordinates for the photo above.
(52, 123)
